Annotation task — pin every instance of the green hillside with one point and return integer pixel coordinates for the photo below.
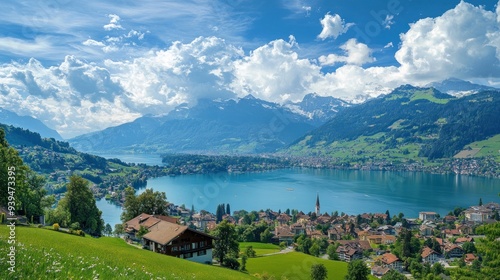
(46, 254)
(57, 160)
(408, 125)
(295, 265)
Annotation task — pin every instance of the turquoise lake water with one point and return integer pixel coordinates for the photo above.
(349, 191)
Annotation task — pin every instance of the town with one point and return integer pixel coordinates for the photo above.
(385, 243)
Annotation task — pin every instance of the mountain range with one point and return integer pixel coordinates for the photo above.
(409, 124)
(241, 126)
(27, 122)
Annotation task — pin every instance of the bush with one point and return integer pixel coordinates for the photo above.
(231, 263)
(40, 226)
(75, 226)
(55, 226)
(80, 233)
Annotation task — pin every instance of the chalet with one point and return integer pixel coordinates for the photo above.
(381, 239)
(461, 240)
(428, 216)
(351, 249)
(449, 219)
(347, 253)
(283, 219)
(386, 229)
(335, 233)
(379, 271)
(453, 250)
(298, 229)
(391, 261)
(283, 234)
(469, 258)
(179, 241)
(429, 255)
(426, 230)
(146, 221)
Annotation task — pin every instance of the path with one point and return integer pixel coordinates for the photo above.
(284, 251)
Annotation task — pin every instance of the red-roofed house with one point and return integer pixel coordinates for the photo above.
(429, 255)
(179, 241)
(391, 261)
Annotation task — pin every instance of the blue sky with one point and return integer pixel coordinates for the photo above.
(84, 66)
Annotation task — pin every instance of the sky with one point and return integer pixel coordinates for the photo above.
(82, 66)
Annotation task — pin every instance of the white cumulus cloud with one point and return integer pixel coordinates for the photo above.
(464, 42)
(114, 23)
(333, 26)
(356, 53)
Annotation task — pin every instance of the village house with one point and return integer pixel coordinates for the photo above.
(428, 216)
(429, 255)
(147, 221)
(283, 219)
(379, 271)
(391, 261)
(453, 250)
(469, 258)
(179, 241)
(350, 250)
(283, 234)
(478, 214)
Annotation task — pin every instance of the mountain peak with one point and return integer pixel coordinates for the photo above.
(249, 96)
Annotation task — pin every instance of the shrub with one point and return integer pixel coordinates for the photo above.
(56, 226)
(75, 226)
(40, 226)
(231, 263)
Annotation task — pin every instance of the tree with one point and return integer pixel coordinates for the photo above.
(357, 270)
(480, 201)
(142, 231)
(225, 244)
(318, 271)
(244, 259)
(250, 252)
(331, 250)
(469, 247)
(393, 275)
(388, 218)
(228, 209)
(81, 206)
(149, 202)
(108, 230)
(266, 236)
(314, 250)
(119, 229)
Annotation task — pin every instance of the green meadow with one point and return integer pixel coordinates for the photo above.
(259, 248)
(294, 265)
(47, 254)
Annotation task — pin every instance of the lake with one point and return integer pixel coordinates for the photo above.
(349, 191)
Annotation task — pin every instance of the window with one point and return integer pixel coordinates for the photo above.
(194, 245)
(188, 255)
(175, 248)
(203, 243)
(202, 252)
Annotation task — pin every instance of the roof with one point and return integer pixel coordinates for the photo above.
(147, 221)
(379, 270)
(389, 258)
(163, 232)
(427, 252)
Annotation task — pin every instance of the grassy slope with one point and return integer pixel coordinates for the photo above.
(46, 254)
(260, 248)
(489, 147)
(294, 265)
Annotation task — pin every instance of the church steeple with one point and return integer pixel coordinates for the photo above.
(316, 209)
